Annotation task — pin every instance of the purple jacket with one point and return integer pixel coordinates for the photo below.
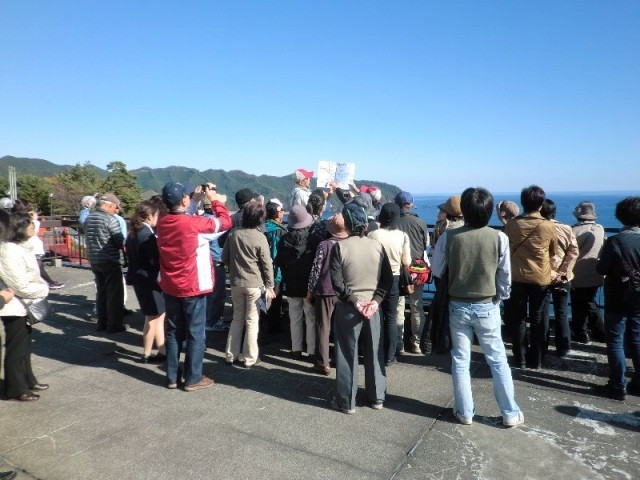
(320, 278)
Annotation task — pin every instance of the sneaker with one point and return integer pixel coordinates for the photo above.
(461, 419)
(415, 349)
(335, 406)
(609, 391)
(172, 385)
(257, 362)
(377, 405)
(514, 421)
(204, 382)
(56, 285)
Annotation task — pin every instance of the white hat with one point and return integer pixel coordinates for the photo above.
(276, 201)
(6, 203)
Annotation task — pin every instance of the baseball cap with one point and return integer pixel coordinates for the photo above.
(173, 192)
(355, 215)
(403, 198)
(111, 198)
(301, 174)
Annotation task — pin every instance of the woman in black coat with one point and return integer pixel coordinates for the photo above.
(144, 266)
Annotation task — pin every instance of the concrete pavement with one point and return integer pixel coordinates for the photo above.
(108, 416)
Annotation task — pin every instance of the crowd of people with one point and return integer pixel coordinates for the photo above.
(344, 278)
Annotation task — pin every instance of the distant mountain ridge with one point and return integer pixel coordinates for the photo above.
(227, 181)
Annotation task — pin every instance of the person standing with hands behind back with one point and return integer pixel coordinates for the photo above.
(361, 276)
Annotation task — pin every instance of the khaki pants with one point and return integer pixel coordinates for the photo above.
(245, 313)
(417, 318)
(302, 312)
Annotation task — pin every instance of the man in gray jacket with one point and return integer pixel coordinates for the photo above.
(104, 241)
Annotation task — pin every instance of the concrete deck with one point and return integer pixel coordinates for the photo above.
(108, 416)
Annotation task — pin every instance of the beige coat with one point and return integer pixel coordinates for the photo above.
(565, 258)
(532, 242)
(590, 237)
(19, 271)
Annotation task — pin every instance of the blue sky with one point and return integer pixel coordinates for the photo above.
(430, 96)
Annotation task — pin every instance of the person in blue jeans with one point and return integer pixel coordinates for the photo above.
(478, 260)
(620, 262)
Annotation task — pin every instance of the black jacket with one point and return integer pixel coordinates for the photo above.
(296, 252)
(144, 259)
(620, 262)
(417, 231)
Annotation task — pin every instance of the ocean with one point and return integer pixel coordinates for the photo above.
(426, 206)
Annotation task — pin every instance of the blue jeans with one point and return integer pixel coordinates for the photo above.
(483, 319)
(389, 309)
(615, 325)
(185, 320)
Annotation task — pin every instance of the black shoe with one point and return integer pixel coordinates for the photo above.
(126, 311)
(296, 355)
(101, 328)
(563, 353)
(633, 388)
(10, 475)
(582, 337)
(609, 391)
(119, 329)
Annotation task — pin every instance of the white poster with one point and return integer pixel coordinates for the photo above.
(342, 173)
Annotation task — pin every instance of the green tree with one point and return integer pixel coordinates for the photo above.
(124, 185)
(35, 191)
(70, 186)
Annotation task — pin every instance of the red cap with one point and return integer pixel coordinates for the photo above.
(366, 189)
(301, 173)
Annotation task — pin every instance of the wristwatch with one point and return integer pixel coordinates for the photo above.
(358, 304)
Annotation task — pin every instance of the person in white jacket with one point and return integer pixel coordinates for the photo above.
(19, 271)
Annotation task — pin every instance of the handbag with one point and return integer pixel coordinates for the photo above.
(420, 272)
(37, 310)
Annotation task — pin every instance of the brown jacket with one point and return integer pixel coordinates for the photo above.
(533, 242)
(565, 258)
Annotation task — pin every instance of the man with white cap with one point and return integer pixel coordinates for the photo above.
(301, 190)
(87, 203)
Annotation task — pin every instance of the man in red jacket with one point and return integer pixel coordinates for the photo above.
(186, 277)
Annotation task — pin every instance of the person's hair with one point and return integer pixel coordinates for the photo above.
(18, 225)
(159, 203)
(315, 204)
(319, 191)
(477, 206)
(628, 212)
(548, 210)
(532, 198)
(5, 220)
(20, 206)
(143, 211)
(272, 209)
(253, 215)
